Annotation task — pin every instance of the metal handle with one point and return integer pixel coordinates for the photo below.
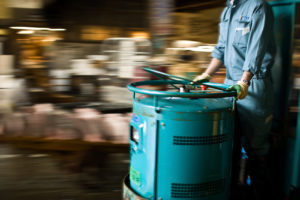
(165, 76)
(168, 79)
(133, 87)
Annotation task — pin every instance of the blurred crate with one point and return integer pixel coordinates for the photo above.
(60, 80)
(115, 94)
(45, 124)
(85, 87)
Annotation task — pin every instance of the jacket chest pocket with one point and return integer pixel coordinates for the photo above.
(241, 32)
(223, 30)
(223, 27)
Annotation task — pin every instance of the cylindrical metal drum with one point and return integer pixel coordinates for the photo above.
(181, 148)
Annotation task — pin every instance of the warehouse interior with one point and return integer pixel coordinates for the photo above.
(66, 110)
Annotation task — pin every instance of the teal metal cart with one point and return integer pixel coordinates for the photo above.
(180, 141)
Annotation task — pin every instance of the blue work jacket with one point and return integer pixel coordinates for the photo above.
(246, 41)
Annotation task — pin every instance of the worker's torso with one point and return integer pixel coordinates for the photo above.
(235, 28)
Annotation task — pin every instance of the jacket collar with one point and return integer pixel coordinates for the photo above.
(236, 2)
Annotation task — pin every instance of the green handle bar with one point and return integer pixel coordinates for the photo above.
(133, 87)
(184, 81)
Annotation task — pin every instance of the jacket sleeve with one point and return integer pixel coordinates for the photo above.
(218, 51)
(259, 38)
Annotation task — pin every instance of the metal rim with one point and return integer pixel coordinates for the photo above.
(133, 87)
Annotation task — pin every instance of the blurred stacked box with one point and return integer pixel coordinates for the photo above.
(296, 64)
(124, 55)
(44, 121)
(60, 80)
(190, 58)
(294, 93)
(125, 59)
(12, 90)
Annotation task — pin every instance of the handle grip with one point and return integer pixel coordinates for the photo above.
(133, 87)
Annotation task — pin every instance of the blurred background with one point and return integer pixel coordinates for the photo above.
(64, 67)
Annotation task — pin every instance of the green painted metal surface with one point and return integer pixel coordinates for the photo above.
(292, 171)
(284, 14)
(181, 143)
(184, 150)
(280, 2)
(134, 87)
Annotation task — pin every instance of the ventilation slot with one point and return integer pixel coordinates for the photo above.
(197, 190)
(204, 140)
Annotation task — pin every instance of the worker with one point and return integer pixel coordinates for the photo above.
(246, 48)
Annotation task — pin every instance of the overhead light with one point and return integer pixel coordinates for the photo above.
(207, 49)
(51, 39)
(57, 29)
(140, 35)
(201, 49)
(26, 32)
(28, 28)
(36, 28)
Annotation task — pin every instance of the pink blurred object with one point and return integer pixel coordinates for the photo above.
(36, 124)
(43, 121)
(43, 108)
(88, 123)
(116, 126)
(62, 126)
(13, 124)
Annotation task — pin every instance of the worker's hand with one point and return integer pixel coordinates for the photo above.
(202, 78)
(241, 89)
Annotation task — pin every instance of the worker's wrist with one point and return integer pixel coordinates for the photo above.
(244, 81)
(206, 76)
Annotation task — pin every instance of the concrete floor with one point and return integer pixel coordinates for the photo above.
(82, 175)
(26, 174)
